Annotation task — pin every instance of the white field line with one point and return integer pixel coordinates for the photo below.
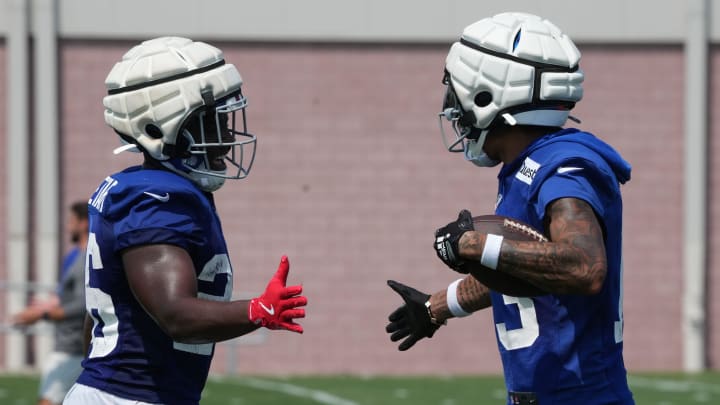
(670, 385)
(319, 396)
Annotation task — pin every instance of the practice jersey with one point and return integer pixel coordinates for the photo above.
(565, 348)
(130, 356)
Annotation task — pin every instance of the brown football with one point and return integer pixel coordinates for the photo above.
(497, 280)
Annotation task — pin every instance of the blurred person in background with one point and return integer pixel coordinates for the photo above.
(511, 82)
(158, 274)
(66, 310)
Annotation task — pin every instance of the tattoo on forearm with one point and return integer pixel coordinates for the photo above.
(439, 307)
(473, 295)
(573, 262)
(472, 243)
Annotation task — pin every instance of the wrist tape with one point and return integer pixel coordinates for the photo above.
(491, 251)
(452, 301)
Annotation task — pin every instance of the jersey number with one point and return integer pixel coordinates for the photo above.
(619, 322)
(99, 306)
(524, 336)
(529, 330)
(219, 264)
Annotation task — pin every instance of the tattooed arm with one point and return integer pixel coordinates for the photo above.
(472, 296)
(574, 262)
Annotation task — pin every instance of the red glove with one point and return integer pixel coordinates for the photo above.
(278, 305)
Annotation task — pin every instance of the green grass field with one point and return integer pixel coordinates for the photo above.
(649, 389)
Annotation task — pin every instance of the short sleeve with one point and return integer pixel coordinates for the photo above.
(576, 181)
(151, 221)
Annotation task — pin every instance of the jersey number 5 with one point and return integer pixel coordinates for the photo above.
(524, 336)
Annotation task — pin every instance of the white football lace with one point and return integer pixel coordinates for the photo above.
(509, 223)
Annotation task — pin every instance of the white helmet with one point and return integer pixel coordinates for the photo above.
(175, 100)
(514, 68)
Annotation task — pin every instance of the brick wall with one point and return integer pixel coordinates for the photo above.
(634, 99)
(713, 284)
(351, 179)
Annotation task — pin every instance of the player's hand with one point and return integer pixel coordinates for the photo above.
(412, 320)
(447, 238)
(278, 306)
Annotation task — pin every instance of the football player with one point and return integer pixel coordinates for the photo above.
(158, 276)
(511, 82)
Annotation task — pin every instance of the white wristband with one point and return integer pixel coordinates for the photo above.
(491, 251)
(452, 301)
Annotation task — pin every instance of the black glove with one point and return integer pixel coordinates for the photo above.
(447, 238)
(411, 320)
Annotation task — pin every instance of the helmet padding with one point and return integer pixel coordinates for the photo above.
(161, 85)
(514, 63)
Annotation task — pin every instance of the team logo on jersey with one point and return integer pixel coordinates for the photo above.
(527, 172)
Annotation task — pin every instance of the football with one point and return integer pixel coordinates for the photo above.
(496, 280)
(508, 228)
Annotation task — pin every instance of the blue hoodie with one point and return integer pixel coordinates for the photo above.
(565, 348)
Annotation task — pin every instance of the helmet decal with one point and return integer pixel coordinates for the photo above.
(517, 40)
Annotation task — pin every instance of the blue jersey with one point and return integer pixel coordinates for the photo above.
(130, 356)
(565, 348)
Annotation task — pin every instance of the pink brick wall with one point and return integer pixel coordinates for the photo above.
(714, 214)
(634, 99)
(351, 179)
